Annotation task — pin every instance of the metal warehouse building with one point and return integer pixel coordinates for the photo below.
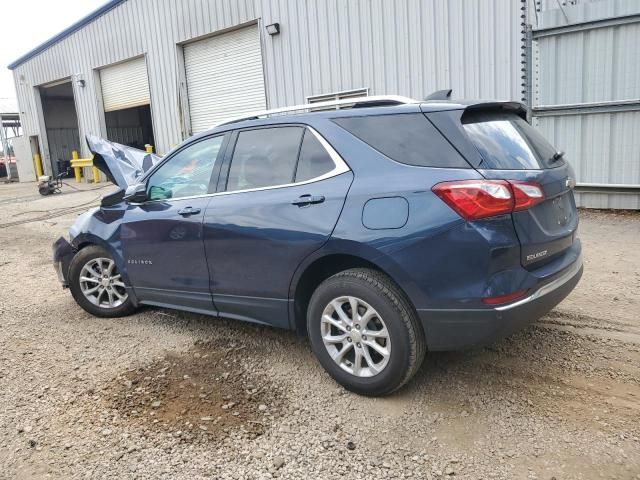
(157, 71)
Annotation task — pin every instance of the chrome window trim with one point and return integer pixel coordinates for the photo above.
(340, 167)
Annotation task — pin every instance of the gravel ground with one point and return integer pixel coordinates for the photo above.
(164, 394)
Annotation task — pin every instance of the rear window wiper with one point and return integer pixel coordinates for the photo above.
(556, 156)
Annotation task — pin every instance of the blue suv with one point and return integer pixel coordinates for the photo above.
(381, 230)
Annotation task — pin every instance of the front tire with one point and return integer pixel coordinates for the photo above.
(96, 284)
(364, 332)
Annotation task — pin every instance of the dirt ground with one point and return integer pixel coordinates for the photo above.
(165, 394)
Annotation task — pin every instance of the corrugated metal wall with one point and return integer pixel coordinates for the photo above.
(407, 47)
(587, 95)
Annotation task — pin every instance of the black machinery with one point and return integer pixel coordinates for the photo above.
(48, 184)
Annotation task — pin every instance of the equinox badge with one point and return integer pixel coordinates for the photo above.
(537, 255)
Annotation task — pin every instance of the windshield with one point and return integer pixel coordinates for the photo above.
(507, 142)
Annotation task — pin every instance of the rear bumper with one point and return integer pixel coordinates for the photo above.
(63, 252)
(458, 329)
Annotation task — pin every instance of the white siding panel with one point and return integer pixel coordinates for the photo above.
(224, 77)
(125, 85)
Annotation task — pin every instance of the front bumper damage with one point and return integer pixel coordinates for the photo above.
(63, 252)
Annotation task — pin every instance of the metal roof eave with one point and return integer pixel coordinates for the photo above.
(65, 33)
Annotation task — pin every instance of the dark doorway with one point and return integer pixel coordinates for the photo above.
(131, 126)
(61, 123)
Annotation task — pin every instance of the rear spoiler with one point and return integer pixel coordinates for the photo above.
(511, 107)
(440, 101)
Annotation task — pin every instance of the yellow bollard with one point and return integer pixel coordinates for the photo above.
(96, 175)
(76, 170)
(148, 148)
(38, 161)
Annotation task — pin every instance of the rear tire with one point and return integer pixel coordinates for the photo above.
(377, 351)
(96, 285)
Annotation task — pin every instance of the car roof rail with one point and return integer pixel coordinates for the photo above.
(356, 102)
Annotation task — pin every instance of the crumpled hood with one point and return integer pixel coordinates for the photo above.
(121, 164)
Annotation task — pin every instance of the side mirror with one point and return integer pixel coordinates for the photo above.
(136, 193)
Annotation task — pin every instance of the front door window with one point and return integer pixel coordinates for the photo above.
(187, 173)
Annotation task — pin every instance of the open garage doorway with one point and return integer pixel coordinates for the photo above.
(130, 126)
(127, 103)
(61, 123)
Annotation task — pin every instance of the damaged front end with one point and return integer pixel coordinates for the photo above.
(123, 166)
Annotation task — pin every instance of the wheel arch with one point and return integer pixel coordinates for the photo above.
(86, 239)
(318, 269)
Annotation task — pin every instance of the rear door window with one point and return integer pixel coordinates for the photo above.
(264, 157)
(406, 138)
(507, 142)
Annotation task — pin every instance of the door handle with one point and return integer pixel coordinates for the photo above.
(304, 200)
(186, 211)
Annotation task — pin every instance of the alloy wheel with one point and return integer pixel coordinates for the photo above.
(101, 283)
(355, 336)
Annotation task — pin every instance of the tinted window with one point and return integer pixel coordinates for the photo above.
(187, 173)
(264, 158)
(507, 141)
(314, 160)
(406, 138)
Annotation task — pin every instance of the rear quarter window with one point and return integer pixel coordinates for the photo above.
(314, 161)
(407, 138)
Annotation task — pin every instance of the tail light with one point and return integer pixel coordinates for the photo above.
(474, 199)
(500, 299)
(526, 194)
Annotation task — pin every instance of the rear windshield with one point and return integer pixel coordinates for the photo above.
(406, 138)
(508, 142)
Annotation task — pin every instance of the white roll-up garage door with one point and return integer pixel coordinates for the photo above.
(125, 85)
(224, 77)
